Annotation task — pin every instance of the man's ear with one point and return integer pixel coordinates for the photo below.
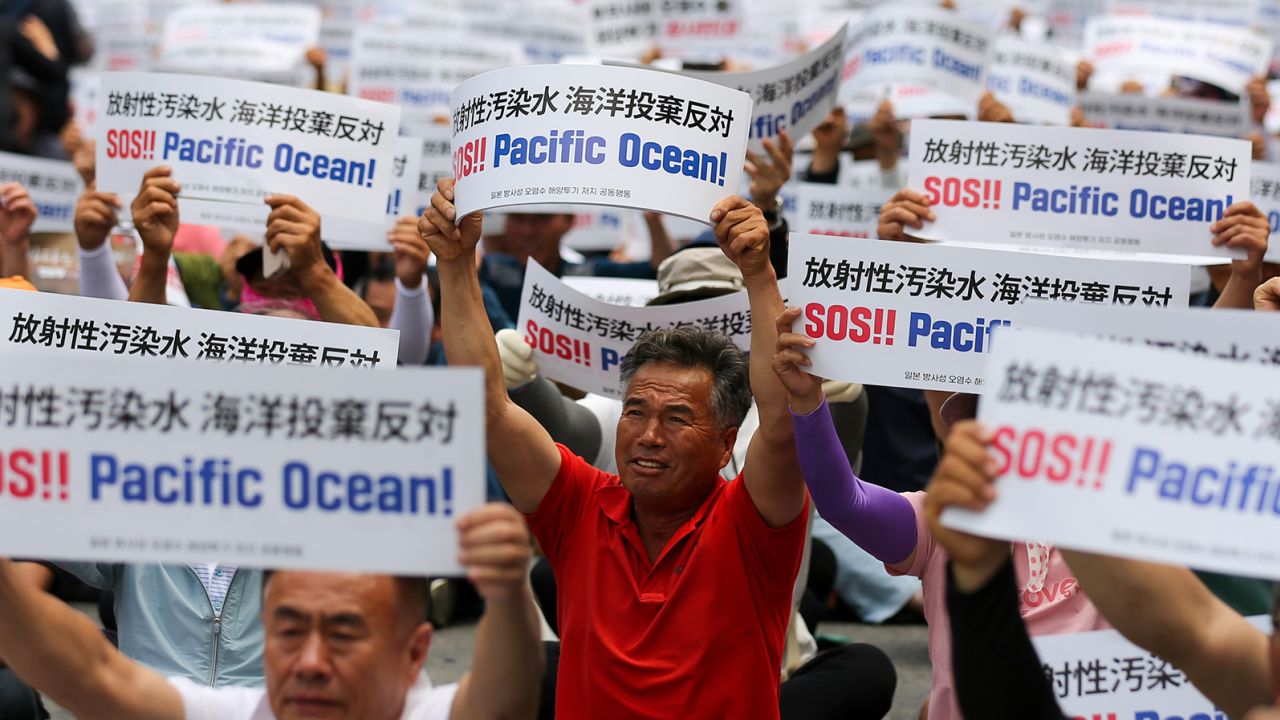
(419, 645)
(728, 437)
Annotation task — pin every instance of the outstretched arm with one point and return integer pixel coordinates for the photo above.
(294, 227)
(771, 474)
(17, 214)
(155, 215)
(1242, 226)
(522, 453)
(1168, 611)
(507, 670)
(63, 655)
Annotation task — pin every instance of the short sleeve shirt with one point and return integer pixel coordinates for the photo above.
(696, 633)
(201, 702)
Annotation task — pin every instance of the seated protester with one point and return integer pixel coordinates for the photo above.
(310, 288)
(892, 527)
(880, 138)
(17, 214)
(540, 236)
(674, 586)
(338, 645)
(1164, 609)
(587, 425)
(396, 289)
(997, 671)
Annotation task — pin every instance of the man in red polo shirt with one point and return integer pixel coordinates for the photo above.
(674, 586)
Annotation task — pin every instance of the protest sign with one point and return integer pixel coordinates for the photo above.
(917, 46)
(1264, 191)
(1219, 55)
(620, 28)
(795, 97)
(69, 324)
(1140, 452)
(580, 341)
(406, 177)
(417, 71)
(1239, 13)
(597, 135)
(1113, 190)
(615, 291)
(238, 141)
(143, 461)
(548, 29)
(1034, 80)
(697, 28)
(823, 209)
(922, 316)
(1101, 675)
(600, 229)
(436, 162)
(1166, 114)
(1242, 336)
(54, 186)
(84, 100)
(256, 42)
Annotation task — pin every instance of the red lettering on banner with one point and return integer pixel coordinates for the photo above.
(969, 192)
(378, 94)
(131, 144)
(1061, 458)
(28, 474)
(469, 159)
(855, 324)
(549, 342)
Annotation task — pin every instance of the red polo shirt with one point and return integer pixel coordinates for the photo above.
(696, 634)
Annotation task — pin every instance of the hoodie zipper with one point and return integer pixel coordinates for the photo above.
(217, 626)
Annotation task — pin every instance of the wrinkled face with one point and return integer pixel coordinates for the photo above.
(381, 296)
(536, 235)
(669, 448)
(339, 646)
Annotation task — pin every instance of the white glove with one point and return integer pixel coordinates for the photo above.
(840, 391)
(518, 367)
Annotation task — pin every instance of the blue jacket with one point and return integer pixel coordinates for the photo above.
(167, 623)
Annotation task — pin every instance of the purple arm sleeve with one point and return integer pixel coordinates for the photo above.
(880, 521)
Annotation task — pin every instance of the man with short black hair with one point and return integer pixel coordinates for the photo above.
(345, 646)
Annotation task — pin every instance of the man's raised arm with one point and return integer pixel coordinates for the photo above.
(772, 472)
(63, 655)
(521, 451)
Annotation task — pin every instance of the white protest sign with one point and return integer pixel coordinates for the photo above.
(918, 46)
(1034, 79)
(418, 71)
(257, 466)
(1219, 55)
(84, 100)
(922, 316)
(1166, 114)
(258, 42)
(597, 135)
(69, 324)
(615, 291)
(406, 177)
(1265, 193)
(1076, 188)
(1222, 12)
(54, 186)
(1140, 452)
(700, 26)
(580, 341)
(436, 162)
(823, 209)
(599, 229)
(795, 97)
(1243, 336)
(620, 28)
(1101, 675)
(548, 29)
(239, 141)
